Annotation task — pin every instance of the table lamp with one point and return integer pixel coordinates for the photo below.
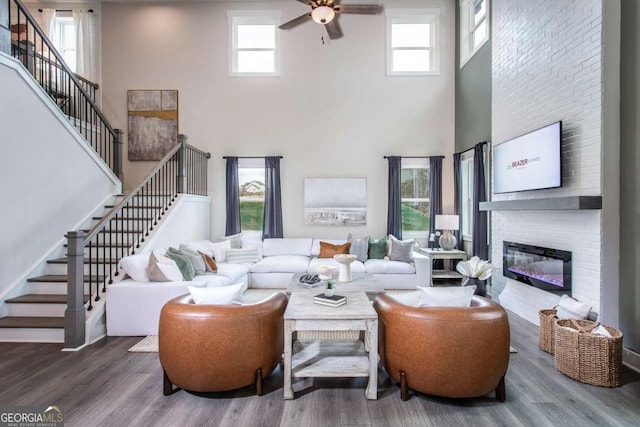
(447, 223)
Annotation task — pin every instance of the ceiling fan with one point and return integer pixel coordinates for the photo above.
(324, 12)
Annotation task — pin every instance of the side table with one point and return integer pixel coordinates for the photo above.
(434, 254)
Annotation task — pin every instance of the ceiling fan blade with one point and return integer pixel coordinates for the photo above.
(363, 9)
(333, 29)
(297, 21)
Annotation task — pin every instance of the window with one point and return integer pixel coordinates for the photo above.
(254, 43)
(412, 42)
(466, 210)
(64, 40)
(474, 27)
(251, 180)
(414, 199)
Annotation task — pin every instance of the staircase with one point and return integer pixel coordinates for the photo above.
(64, 299)
(38, 314)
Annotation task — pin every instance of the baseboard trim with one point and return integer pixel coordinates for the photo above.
(631, 359)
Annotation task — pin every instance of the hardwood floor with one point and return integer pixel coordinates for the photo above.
(104, 385)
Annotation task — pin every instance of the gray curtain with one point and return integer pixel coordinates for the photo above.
(272, 221)
(457, 198)
(233, 197)
(435, 197)
(480, 247)
(394, 209)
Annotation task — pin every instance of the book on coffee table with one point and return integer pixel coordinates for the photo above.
(332, 301)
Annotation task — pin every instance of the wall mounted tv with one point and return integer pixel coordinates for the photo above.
(529, 162)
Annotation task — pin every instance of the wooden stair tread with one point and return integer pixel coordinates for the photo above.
(102, 245)
(86, 261)
(32, 322)
(138, 207)
(61, 278)
(125, 219)
(41, 299)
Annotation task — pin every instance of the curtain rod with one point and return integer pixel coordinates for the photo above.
(469, 149)
(417, 157)
(66, 10)
(250, 157)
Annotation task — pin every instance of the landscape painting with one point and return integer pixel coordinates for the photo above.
(335, 201)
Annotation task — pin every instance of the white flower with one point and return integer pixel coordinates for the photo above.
(476, 268)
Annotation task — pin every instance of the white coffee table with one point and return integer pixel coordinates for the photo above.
(330, 358)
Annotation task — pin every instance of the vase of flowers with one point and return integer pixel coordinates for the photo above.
(330, 289)
(475, 272)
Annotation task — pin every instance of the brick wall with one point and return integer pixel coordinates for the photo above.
(546, 66)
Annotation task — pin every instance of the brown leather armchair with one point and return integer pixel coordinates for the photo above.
(444, 351)
(206, 348)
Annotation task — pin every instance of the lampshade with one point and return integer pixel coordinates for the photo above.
(323, 14)
(447, 222)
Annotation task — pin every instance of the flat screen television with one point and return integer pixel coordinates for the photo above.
(529, 162)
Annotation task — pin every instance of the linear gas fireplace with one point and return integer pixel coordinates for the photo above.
(545, 268)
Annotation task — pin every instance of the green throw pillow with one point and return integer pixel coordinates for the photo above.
(184, 264)
(377, 248)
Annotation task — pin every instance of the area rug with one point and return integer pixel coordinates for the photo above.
(147, 345)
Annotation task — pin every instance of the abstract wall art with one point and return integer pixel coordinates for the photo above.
(153, 123)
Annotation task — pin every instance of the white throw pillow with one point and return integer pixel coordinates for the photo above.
(453, 296)
(136, 266)
(163, 269)
(569, 308)
(203, 246)
(217, 296)
(244, 255)
(216, 251)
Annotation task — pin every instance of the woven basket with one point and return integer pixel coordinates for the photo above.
(547, 325)
(586, 357)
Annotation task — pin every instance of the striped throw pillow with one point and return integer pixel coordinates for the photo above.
(244, 255)
(401, 250)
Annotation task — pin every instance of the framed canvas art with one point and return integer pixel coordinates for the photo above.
(335, 201)
(153, 123)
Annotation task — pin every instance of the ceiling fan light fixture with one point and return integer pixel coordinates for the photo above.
(323, 14)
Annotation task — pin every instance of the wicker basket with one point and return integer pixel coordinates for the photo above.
(547, 325)
(586, 357)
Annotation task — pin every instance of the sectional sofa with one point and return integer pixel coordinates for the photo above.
(133, 307)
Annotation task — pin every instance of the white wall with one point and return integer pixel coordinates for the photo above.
(187, 221)
(51, 178)
(547, 66)
(332, 113)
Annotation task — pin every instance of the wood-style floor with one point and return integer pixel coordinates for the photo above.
(104, 385)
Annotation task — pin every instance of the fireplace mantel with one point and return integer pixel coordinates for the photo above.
(550, 203)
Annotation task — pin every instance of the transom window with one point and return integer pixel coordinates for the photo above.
(474, 27)
(414, 199)
(254, 43)
(412, 42)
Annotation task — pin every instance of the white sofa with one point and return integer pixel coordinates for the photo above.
(133, 308)
(282, 258)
